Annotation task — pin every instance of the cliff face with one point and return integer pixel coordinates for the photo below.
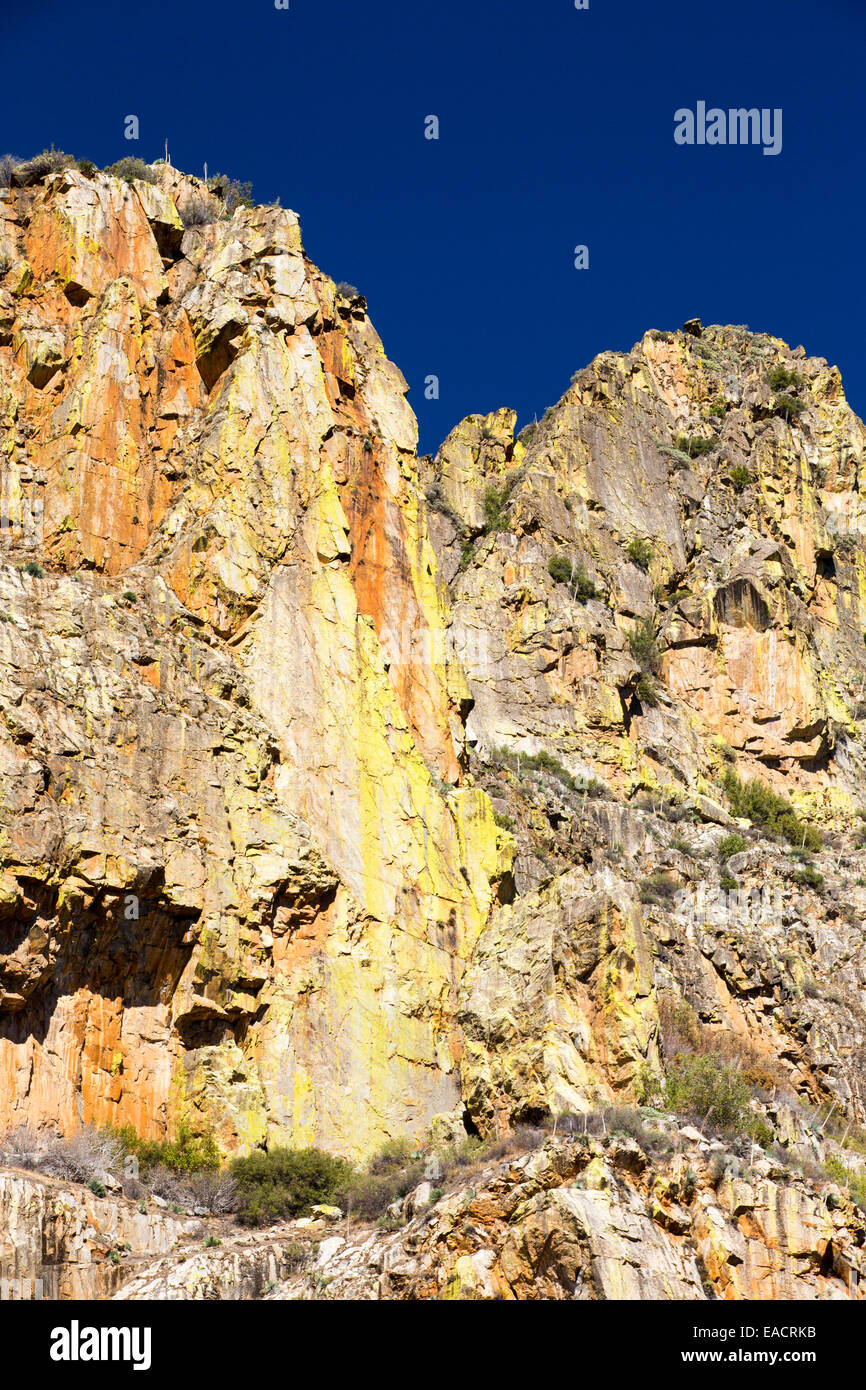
(241, 875)
(333, 776)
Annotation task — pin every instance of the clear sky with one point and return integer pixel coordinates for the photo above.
(556, 130)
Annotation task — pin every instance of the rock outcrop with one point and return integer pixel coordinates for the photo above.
(243, 870)
(347, 792)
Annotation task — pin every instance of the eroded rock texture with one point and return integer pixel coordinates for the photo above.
(328, 801)
(242, 868)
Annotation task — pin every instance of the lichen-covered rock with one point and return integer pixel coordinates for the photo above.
(242, 869)
(350, 796)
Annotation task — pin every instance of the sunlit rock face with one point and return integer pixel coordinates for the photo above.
(333, 777)
(242, 868)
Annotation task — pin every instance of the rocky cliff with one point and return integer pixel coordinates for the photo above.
(348, 793)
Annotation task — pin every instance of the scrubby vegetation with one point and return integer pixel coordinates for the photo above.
(284, 1183)
(658, 888)
(755, 801)
(704, 1087)
(495, 509)
(232, 192)
(8, 164)
(694, 445)
(643, 644)
(781, 377)
(563, 570)
(646, 690)
(739, 477)
(640, 552)
(524, 764)
(788, 407)
(130, 168)
(187, 1153)
(730, 845)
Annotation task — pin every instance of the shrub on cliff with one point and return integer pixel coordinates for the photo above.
(755, 801)
(187, 1153)
(284, 1183)
(494, 507)
(694, 445)
(730, 845)
(710, 1091)
(562, 570)
(8, 163)
(643, 644)
(21, 1147)
(41, 165)
(646, 690)
(196, 212)
(640, 552)
(739, 477)
(780, 377)
(233, 193)
(130, 168)
(82, 1156)
(658, 888)
(788, 407)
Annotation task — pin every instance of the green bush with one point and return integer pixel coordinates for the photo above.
(730, 845)
(640, 552)
(810, 878)
(536, 762)
(131, 168)
(233, 193)
(34, 569)
(646, 691)
(694, 445)
(565, 571)
(780, 377)
(658, 888)
(739, 477)
(643, 644)
(495, 509)
(187, 1153)
(788, 407)
(560, 569)
(712, 1091)
(285, 1183)
(755, 801)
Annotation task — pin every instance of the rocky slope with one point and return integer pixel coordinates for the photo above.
(578, 1218)
(341, 785)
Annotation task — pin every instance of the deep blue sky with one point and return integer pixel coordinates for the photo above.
(556, 129)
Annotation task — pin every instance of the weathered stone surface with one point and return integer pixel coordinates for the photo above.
(331, 810)
(256, 731)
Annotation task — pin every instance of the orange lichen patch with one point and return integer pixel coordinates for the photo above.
(382, 573)
(89, 232)
(337, 359)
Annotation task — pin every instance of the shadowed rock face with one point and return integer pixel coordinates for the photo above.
(296, 728)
